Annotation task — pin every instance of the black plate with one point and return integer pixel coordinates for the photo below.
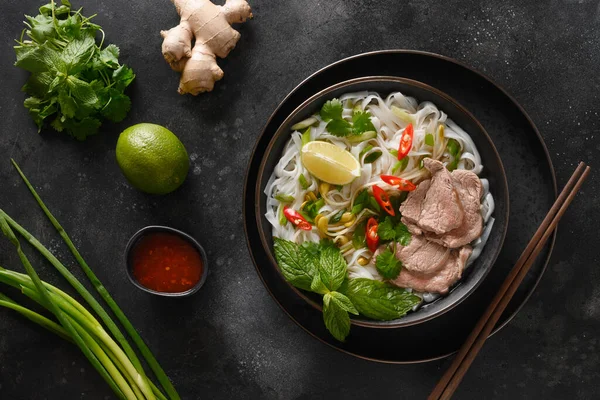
(531, 181)
(493, 171)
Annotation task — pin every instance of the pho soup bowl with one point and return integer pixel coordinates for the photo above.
(493, 171)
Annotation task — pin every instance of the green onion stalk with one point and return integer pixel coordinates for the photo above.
(121, 361)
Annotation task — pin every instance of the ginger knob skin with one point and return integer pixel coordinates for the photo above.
(210, 26)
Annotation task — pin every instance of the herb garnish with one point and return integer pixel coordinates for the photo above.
(331, 112)
(74, 82)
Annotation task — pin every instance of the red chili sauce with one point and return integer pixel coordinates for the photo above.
(165, 262)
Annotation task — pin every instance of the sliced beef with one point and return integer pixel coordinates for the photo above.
(438, 281)
(411, 207)
(422, 256)
(469, 189)
(441, 210)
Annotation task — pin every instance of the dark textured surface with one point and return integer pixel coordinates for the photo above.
(230, 340)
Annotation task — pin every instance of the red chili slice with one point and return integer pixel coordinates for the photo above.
(371, 234)
(406, 142)
(383, 199)
(296, 219)
(403, 184)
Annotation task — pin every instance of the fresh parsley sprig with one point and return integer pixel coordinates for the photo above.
(74, 82)
(331, 112)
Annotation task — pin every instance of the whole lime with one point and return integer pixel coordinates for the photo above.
(152, 158)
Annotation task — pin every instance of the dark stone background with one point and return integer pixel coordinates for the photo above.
(231, 340)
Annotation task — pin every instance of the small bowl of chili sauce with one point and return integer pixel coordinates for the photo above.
(166, 262)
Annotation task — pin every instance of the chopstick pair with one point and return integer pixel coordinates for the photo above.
(449, 382)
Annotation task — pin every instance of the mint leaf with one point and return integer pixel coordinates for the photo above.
(379, 300)
(343, 302)
(332, 110)
(339, 127)
(361, 122)
(295, 263)
(332, 267)
(336, 318)
(77, 53)
(40, 59)
(82, 91)
(318, 286)
(388, 265)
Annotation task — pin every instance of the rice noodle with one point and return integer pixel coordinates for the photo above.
(426, 118)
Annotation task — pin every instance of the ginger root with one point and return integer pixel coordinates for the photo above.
(210, 25)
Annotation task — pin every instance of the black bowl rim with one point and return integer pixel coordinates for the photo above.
(400, 322)
(498, 327)
(159, 228)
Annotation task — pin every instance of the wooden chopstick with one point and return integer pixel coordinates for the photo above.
(467, 353)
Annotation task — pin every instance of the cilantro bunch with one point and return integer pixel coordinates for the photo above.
(74, 82)
(331, 112)
(321, 268)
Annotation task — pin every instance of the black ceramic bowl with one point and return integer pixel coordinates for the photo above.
(493, 171)
(153, 229)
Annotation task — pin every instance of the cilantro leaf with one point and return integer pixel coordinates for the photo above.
(380, 300)
(361, 122)
(332, 110)
(75, 83)
(336, 318)
(68, 106)
(386, 230)
(117, 107)
(388, 265)
(394, 231)
(339, 127)
(403, 236)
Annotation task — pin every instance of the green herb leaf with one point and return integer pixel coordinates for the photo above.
(336, 318)
(339, 127)
(295, 262)
(359, 203)
(373, 204)
(117, 107)
(386, 230)
(378, 300)
(77, 53)
(318, 286)
(332, 110)
(361, 122)
(400, 165)
(343, 302)
(403, 236)
(393, 231)
(332, 267)
(388, 265)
